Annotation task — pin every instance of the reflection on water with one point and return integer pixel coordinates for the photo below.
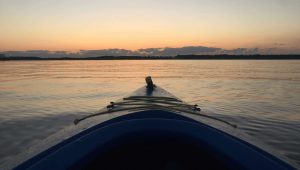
(38, 98)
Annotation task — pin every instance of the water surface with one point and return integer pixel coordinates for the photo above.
(38, 98)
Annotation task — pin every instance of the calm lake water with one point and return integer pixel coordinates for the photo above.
(38, 98)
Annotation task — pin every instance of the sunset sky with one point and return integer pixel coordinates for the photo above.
(134, 24)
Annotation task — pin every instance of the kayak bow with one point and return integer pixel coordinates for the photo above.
(150, 129)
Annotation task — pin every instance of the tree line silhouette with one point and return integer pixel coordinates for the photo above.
(3, 57)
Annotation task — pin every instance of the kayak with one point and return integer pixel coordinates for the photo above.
(149, 129)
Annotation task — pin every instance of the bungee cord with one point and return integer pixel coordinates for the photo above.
(135, 103)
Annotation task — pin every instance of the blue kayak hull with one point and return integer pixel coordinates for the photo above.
(153, 139)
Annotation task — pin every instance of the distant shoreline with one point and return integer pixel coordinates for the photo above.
(179, 57)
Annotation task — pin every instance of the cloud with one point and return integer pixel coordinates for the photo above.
(106, 52)
(167, 51)
(279, 44)
(179, 51)
(39, 53)
(243, 51)
(150, 51)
